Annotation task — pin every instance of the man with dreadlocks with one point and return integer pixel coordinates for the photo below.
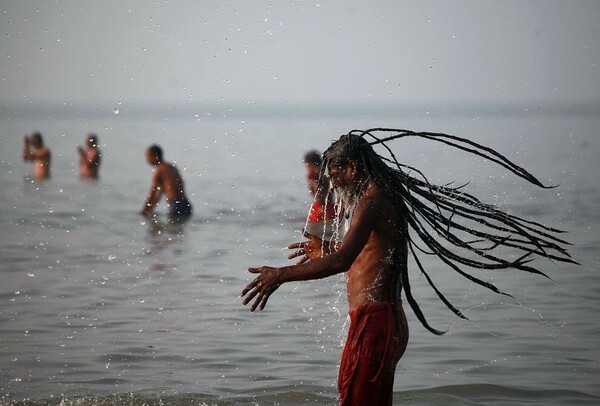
(383, 203)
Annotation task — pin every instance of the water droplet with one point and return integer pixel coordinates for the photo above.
(116, 110)
(111, 257)
(50, 210)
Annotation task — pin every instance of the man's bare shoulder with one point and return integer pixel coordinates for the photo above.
(42, 153)
(158, 173)
(169, 170)
(370, 207)
(379, 204)
(373, 198)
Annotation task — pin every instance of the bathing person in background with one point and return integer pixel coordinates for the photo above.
(321, 214)
(313, 162)
(89, 160)
(383, 203)
(166, 179)
(35, 151)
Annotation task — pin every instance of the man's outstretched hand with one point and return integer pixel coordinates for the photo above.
(265, 283)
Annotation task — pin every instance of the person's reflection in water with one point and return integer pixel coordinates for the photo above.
(160, 226)
(164, 235)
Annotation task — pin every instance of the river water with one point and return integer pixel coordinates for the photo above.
(100, 306)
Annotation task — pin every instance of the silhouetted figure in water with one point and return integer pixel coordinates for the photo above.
(166, 180)
(389, 211)
(89, 159)
(35, 151)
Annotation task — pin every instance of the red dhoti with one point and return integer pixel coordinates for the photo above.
(377, 338)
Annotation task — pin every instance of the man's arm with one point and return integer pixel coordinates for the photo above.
(356, 238)
(27, 156)
(89, 158)
(155, 192)
(42, 154)
(81, 153)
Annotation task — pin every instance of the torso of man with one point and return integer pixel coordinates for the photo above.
(169, 180)
(89, 163)
(42, 163)
(370, 278)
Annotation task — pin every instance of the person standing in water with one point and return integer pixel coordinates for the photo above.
(321, 213)
(35, 151)
(89, 160)
(166, 180)
(388, 210)
(312, 163)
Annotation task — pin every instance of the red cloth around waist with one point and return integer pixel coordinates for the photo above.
(377, 338)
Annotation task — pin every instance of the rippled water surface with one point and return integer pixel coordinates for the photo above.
(100, 306)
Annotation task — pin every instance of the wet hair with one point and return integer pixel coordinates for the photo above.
(37, 138)
(445, 221)
(313, 157)
(156, 150)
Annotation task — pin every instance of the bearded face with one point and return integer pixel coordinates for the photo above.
(347, 184)
(348, 195)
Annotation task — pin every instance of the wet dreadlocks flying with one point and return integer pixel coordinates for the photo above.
(440, 220)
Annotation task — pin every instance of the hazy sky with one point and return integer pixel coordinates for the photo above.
(300, 51)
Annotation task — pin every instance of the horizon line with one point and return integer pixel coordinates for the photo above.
(221, 110)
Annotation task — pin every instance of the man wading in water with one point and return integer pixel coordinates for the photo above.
(166, 180)
(35, 150)
(383, 204)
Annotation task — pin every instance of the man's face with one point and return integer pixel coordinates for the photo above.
(150, 157)
(338, 175)
(346, 183)
(312, 168)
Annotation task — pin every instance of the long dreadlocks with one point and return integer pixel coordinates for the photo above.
(445, 219)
